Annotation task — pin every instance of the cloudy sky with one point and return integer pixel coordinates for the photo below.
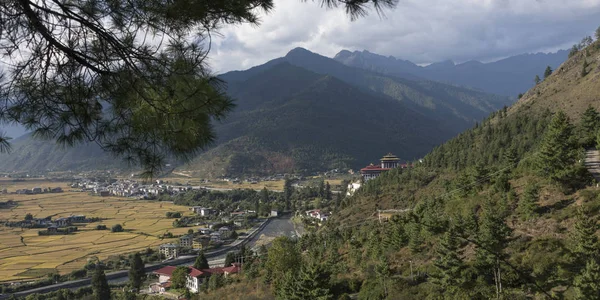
(423, 31)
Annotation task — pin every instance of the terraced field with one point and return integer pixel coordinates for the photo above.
(37, 255)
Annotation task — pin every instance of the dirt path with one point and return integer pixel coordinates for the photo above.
(592, 162)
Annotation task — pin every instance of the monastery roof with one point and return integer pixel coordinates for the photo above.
(390, 157)
(372, 167)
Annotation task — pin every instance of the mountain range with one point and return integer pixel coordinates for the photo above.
(509, 77)
(303, 113)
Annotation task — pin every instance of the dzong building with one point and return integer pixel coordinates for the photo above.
(372, 171)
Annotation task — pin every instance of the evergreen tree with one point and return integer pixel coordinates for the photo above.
(215, 282)
(584, 67)
(187, 294)
(492, 240)
(288, 190)
(179, 277)
(597, 33)
(322, 188)
(229, 259)
(201, 262)
(312, 282)
(282, 256)
(101, 290)
(449, 265)
(558, 151)
(590, 123)
(264, 198)
(573, 51)
(584, 239)
(327, 191)
(547, 72)
(415, 238)
(137, 272)
(587, 283)
(537, 79)
(528, 204)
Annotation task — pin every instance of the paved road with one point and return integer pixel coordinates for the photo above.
(272, 229)
(592, 162)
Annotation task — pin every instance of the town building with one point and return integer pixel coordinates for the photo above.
(372, 171)
(200, 242)
(194, 277)
(186, 241)
(203, 211)
(169, 250)
(225, 232)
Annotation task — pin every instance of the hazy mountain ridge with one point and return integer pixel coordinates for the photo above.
(508, 77)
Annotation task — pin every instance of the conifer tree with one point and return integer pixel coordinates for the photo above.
(179, 277)
(101, 290)
(597, 33)
(547, 72)
(528, 204)
(584, 67)
(537, 79)
(327, 191)
(215, 282)
(558, 151)
(492, 240)
(229, 259)
(288, 190)
(137, 272)
(590, 123)
(449, 265)
(311, 282)
(587, 283)
(201, 262)
(584, 239)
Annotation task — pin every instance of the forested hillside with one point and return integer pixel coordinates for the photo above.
(291, 119)
(505, 210)
(305, 112)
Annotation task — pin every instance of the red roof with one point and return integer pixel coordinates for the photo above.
(232, 269)
(373, 168)
(195, 272)
(168, 271)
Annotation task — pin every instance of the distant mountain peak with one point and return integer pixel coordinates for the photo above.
(298, 51)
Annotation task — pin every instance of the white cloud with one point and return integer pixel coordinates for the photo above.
(422, 31)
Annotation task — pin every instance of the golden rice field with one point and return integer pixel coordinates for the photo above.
(143, 222)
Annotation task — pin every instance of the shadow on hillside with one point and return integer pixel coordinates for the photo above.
(556, 206)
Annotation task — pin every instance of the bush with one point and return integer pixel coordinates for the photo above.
(100, 227)
(172, 215)
(117, 228)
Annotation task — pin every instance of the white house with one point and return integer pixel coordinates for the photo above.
(352, 188)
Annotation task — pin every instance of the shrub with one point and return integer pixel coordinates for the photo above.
(117, 228)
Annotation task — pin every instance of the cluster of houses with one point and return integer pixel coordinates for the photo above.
(196, 241)
(51, 225)
(130, 188)
(36, 190)
(255, 180)
(317, 214)
(194, 277)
